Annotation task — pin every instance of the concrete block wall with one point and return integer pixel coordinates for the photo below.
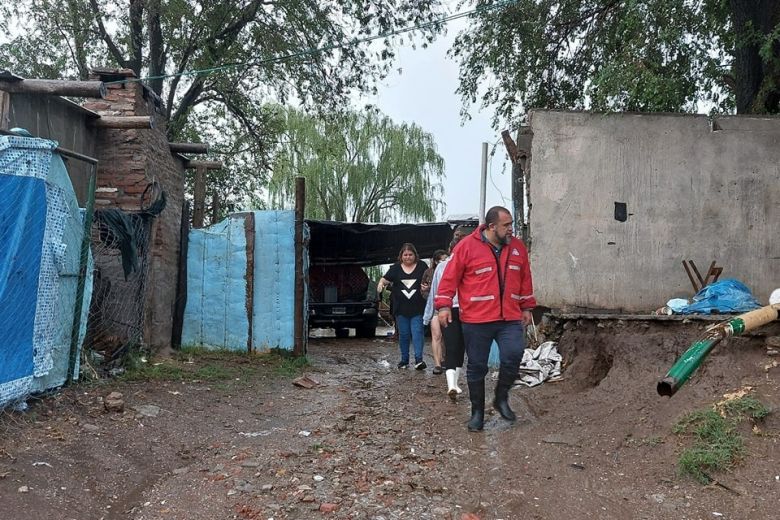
(692, 191)
(129, 161)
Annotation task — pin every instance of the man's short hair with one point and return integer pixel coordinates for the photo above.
(491, 217)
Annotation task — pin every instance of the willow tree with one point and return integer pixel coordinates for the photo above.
(359, 167)
(636, 55)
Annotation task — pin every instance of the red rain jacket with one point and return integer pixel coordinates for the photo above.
(488, 288)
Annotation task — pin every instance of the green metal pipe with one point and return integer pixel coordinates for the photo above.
(701, 348)
(85, 241)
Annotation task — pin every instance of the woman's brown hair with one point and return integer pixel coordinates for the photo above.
(408, 247)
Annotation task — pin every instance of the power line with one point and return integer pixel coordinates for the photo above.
(325, 48)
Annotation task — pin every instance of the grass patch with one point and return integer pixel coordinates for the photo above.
(292, 366)
(717, 443)
(210, 365)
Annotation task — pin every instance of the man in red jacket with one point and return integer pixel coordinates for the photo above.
(490, 273)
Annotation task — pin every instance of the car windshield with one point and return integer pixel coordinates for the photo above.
(337, 283)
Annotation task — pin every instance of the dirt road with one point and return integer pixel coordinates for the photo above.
(231, 437)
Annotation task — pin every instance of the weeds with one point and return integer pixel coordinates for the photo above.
(717, 443)
(291, 366)
(210, 365)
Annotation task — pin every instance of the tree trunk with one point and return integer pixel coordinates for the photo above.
(157, 56)
(136, 35)
(757, 87)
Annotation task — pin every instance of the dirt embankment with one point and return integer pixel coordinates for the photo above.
(374, 442)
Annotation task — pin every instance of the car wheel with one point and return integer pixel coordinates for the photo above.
(342, 333)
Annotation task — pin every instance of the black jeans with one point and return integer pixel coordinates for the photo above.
(454, 345)
(510, 336)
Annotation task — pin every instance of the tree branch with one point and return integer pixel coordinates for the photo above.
(112, 48)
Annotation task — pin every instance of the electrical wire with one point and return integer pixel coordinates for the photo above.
(325, 48)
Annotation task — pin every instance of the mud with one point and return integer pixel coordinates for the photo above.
(374, 442)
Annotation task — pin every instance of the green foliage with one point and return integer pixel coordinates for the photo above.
(717, 445)
(64, 39)
(290, 366)
(359, 167)
(625, 55)
(200, 364)
(747, 405)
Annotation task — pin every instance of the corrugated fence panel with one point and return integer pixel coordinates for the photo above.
(215, 315)
(274, 282)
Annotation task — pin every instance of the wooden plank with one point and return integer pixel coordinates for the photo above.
(55, 87)
(123, 122)
(197, 148)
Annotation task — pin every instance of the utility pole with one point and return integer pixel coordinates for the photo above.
(483, 183)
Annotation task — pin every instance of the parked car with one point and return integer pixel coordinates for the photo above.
(342, 297)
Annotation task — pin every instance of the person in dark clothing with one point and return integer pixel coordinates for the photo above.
(490, 273)
(408, 303)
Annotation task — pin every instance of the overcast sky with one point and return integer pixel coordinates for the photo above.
(424, 93)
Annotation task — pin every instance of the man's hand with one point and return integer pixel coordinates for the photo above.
(445, 317)
(528, 318)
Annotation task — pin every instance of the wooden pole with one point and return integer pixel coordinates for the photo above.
(5, 110)
(215, 208)
(299, 346)
(123, 122)
(55, 87)
(249, 233)
(198, 209)
(181, 283)
(197, 148)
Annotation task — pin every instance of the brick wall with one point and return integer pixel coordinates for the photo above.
(131, 160)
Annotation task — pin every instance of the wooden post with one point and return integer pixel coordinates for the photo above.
(518, 155)
(299, 346)
(181, 284)
(5, 110)
(249, 233)
(55, 87)
(197, 148)
(123, 122)
(215, 208)
(199, 205)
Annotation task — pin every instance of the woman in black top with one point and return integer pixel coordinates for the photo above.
(408, 303)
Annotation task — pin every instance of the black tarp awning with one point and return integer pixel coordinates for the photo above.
(372, 244)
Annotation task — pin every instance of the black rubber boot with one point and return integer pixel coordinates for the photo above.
(477, 397)
(501, 400)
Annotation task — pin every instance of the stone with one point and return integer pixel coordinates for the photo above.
(773, 342)
(114, 402)
(267, 487)
(90, 428)
(147, 410)
(327, 507)
(23, 489)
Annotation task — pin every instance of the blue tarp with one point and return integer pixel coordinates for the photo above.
(723, 296)
(40, 238)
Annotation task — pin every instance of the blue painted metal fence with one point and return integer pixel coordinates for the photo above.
(241, 283)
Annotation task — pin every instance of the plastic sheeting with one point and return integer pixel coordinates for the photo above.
(40, 239)
(723, 296)
(216, 314)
